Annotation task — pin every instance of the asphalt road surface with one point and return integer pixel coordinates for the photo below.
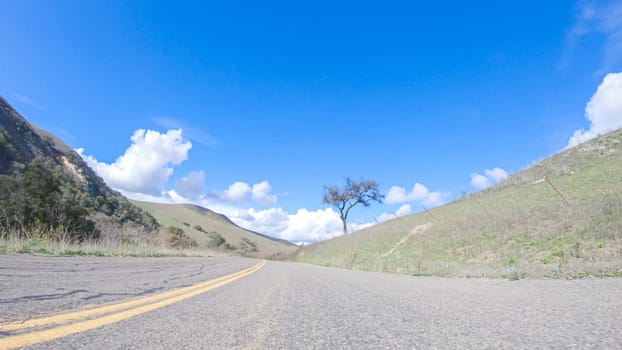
(181, 303)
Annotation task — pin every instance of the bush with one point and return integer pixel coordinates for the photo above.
(248, 246)
(217, 241)
(176, 231)
(179, 239)
(36, 203)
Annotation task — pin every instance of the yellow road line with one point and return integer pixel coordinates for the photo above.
(76, 315)
(16, 341)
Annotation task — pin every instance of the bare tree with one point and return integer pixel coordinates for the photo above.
(362, 192)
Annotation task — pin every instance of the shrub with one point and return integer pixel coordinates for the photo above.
(176, 231)
(217, 241)
(248, 246)
(36, 203)
(179, 239)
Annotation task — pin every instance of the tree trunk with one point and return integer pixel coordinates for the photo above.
(345, 227)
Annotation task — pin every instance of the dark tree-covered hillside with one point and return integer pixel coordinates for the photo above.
(46, 186)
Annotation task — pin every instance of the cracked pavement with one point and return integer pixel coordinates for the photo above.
(294, 306)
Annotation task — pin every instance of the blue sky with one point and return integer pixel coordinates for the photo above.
(290, 96)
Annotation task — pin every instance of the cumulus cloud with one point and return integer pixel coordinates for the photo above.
(270, 221)
(491, 177)
(385, 217)
(146, 165)
(240, 191)
(191, 186)
(313, 225)
(604, 110)
(480, 181)
(496, 174)
(419, 193)
(403, 210)
(261, 192)
(303, 226)
(236, 192)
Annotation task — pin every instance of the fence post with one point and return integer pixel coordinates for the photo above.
(483, 207)
(561, 195)
(430, 213)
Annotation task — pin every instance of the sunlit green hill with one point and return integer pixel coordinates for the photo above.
(215, 231)
(561, 217)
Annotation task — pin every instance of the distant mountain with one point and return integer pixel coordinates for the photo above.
(45, 185)
(215, 231)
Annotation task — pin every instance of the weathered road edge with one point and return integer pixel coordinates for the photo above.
(111, 313)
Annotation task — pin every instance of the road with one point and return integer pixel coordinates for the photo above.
(281, 305)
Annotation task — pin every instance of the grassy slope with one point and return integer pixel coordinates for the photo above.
(518, 228)
(177, 214)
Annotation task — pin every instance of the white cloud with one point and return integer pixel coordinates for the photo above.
(169, 197)
(191, 186)
(403, 210)
(313, 225)
(304, 225)
(603, 18)
(492, 177)
(270, 221)
(479, 181)
(146, 165)
(236, 192)
(419, 193)
(385, 217)
(261, 192)
(604, 110)
(356, 226)
(496, 174)
(240, 191)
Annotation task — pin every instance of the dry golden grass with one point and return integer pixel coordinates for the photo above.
(153, 246)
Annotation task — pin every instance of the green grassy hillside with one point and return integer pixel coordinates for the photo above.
(216, 232)
(519, 228)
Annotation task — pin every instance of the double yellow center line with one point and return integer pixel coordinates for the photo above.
(108, 314)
